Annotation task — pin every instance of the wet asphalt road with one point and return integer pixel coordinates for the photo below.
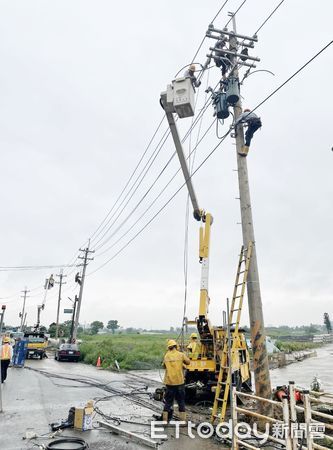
(32, 400)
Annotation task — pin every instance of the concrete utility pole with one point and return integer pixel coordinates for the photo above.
(2, 315)
(73, 319)
(85, 258)
(258, 334)
(60, 282)
(24, 296)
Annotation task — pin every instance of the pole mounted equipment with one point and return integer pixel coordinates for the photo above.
(80, 281)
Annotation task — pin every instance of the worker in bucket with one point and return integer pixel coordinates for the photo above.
(173, 363)
(189, 73)
(6, 356)
(194, 347)
(253, 123)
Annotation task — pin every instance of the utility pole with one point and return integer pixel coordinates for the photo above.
(60, 282)
(24, 296)
(234, 59)
(258, 334)
(2, 315)
(24, 320)
(80, 280)
(73, 319)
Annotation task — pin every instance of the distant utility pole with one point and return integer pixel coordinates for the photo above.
(60, 282)
(24, 321)
(73, 319)
(22, 314)
(236, 58)
(80, 280)
(258, 334)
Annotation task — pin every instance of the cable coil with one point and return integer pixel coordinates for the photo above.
(81, 444)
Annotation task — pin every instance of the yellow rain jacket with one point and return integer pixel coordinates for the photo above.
(173, 363)
(194, 349)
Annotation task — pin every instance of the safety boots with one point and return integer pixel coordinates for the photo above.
(182, 417)
(165, 416)
(244, 150)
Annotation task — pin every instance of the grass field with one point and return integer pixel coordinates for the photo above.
(294, 346)
(131, 351)
(144, 351)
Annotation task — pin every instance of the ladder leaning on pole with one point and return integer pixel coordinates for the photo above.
(224, 378)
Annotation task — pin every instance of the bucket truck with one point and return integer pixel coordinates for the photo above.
(202, 374)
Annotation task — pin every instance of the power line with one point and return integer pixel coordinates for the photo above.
(130, 178)
(154, 201)
(186, 231)
(203, 110)
(187, 134)
(20, 268)
(161, 209)
(135, 186)
(195, 55)
(293, 75)
(234, 14)
(205, 160)
(166, 134)
(164, 188)
(271, 14)
(219, 12)
(203, 39)
(126, 185)
(96, 232)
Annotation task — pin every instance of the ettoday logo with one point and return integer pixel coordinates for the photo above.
(242, 430)
(206, 430)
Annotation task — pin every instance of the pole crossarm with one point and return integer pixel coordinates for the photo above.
(237, 55)
(225, 32)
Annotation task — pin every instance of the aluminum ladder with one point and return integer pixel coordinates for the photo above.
(224, 379)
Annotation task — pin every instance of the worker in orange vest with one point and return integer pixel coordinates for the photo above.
(6, 356)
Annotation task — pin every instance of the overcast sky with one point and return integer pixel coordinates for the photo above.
(79, 101)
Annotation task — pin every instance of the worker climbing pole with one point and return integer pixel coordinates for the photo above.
(229, 95)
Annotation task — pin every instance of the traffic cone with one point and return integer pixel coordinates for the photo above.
(98, 364)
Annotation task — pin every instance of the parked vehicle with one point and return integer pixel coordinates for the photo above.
(69, 352)
(37, 343)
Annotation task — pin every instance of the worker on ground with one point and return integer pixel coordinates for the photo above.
(173, 363)
(6, 356)
(194, 347)
(189, 73)
(253, 123)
